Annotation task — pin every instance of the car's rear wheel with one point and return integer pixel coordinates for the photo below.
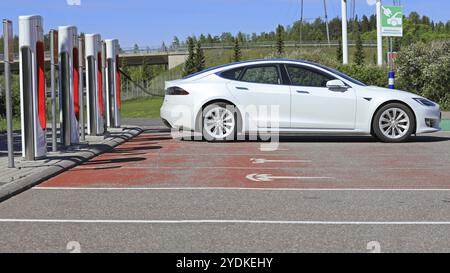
(393, 122)
(219, 122)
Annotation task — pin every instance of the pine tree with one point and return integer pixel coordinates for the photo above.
(237, 55)
(359, 51)
(189, 65)
(199, 59)
(175, 42)
(135, 48)
(339, 51)
(280, 40)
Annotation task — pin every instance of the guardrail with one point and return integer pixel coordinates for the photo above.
(183, 48)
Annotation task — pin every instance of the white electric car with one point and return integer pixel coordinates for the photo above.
(292, 96)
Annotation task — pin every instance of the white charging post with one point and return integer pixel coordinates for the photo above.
(69, 77)
(94, 84)
(32, 87)
(112, 83)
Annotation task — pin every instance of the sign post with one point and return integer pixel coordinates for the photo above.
(8, 57)
(391, 26)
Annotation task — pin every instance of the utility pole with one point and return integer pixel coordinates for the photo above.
(344, 32)
(326, 21)
(301, 20)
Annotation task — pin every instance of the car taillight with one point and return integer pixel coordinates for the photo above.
(176, 91)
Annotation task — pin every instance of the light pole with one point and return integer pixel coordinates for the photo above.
(344, 32)
(379, 37)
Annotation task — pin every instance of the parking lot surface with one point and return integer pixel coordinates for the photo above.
(320, 194)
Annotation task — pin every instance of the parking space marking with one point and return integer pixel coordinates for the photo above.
(263, 160)
(262, 177)
(226, 188)
(214, 221)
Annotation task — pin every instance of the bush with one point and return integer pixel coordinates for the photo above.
(15, 93)
(425, 70)
(368, 74)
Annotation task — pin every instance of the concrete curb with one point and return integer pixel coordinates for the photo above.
(11, 189)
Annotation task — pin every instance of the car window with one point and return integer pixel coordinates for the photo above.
(232, 74)
(262, 74)
(302, 76)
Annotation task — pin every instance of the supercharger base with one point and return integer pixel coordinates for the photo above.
(94, 85)
(69, 85)
(32, 87)
(113, 83)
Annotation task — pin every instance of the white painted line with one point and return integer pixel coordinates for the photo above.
(268, 177)
(224, 188)
(207, 221)
(268, 149)
(106, 165)
(263, 160)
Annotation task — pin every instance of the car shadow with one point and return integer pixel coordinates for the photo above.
(331, 139)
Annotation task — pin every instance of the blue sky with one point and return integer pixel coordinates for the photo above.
(150, 22)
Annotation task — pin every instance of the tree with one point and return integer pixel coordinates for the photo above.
(175, 42)
(237, 55)
(199, 58)
(365, 24)
(339, 51)
(164, 47)
(359, 51)
(280, 40)
(135, 48)
(189, 65)
(147, 73)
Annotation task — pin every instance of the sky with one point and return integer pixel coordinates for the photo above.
(151, 22)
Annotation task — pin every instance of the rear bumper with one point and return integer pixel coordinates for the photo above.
(177, 116)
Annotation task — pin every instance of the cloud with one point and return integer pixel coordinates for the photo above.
(73, 2)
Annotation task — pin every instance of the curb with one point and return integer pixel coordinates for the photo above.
(11, 189)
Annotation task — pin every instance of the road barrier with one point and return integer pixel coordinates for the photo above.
(32, 87)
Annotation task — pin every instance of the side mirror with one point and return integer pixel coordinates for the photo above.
(336, 85)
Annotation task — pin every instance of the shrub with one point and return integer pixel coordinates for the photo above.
(425, 70)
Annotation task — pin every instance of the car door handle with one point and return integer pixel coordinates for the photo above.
(241, 88)
(302, 92)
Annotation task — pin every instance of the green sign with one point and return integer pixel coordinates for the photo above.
(392, 21)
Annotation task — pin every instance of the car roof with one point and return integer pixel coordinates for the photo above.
(220, 68)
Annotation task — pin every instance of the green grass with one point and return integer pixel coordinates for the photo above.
(141, 108)
(16, 124)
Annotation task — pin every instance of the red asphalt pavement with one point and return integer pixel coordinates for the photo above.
(157, 160)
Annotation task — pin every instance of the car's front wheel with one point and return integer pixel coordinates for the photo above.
(219, 122)
(393, 122)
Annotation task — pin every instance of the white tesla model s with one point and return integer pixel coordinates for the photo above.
(300, 97)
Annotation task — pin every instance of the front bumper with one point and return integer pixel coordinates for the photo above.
(428, 120)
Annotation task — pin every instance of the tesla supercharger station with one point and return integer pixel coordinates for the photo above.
(32, 87)
(112, 83)
(69, 77)
(94, 84)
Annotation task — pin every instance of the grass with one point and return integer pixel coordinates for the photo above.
(141, 107)
(16, 124)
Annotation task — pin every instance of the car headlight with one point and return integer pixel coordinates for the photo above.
(425, 102)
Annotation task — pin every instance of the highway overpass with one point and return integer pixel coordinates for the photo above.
(170, 59)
